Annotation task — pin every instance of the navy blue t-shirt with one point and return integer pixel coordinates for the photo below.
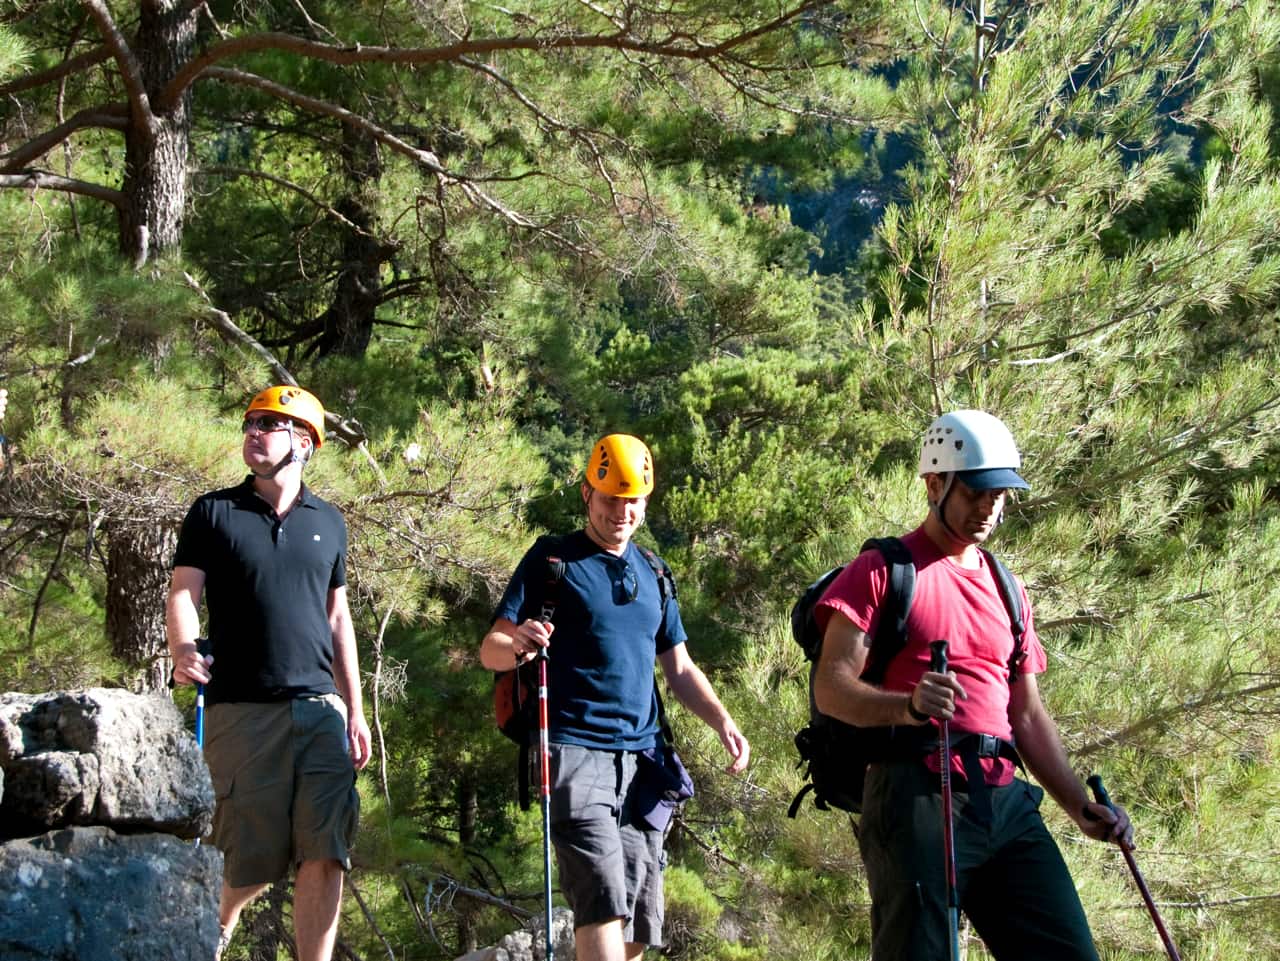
(267, 586)
(609, 627)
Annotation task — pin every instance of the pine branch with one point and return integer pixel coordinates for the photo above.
(230, 171)
(424, 158)
(674, 46)
(453, 888)
(53, 74)
(1183, 442)
(1177, 711)
(105, 117)
(142, 119)
(1220, 902)
(42, 180)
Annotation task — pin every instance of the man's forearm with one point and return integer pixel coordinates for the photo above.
(346, 674)
(1046, 758)
(182, 624)
(692, 689)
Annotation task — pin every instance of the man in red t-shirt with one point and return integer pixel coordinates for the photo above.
(1010, 876)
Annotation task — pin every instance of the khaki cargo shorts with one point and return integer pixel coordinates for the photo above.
(284, 784)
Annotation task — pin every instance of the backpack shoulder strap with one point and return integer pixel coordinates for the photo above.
(666, 591)
(666, 582)
(1011, 594)
(891, 631)
(549, 545)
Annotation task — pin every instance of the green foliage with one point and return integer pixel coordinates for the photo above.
(691, 913)
(1082, 237)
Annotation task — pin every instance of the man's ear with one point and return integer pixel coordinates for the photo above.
(586, 492)
(933, 485)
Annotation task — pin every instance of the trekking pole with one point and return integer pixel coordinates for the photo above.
(544, 767)
(1100, 795)
(199, 724)
(938, 664)
(202, 645)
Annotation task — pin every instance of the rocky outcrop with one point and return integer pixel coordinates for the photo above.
(101, 757)
(94, 786)
(89, 894)
(529, 944)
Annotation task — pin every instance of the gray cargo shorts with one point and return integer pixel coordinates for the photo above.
(610, 862)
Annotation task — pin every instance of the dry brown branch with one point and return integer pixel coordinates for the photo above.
(368, 916)
(350, 432)
(41, 180)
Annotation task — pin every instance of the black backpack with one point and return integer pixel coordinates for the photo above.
(834, 754)
(515, 692)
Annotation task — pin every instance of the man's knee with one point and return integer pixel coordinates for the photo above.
(233, 900)
(600, 941)
(319, 871)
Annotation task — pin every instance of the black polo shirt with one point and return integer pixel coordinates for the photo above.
(267, 584)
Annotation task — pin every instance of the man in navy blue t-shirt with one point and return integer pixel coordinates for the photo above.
(611, 621)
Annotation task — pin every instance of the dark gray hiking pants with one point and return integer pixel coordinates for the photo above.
(1013, 884)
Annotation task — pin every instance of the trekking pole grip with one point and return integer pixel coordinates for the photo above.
(938, 657)
(1100, 794)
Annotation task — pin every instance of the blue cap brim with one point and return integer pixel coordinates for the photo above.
(993, 478)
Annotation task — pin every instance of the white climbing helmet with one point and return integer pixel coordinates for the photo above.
(975, 446)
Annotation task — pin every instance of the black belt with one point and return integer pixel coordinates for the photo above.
(972, 750)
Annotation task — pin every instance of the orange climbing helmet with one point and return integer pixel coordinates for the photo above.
(621, 465)
(294, 403)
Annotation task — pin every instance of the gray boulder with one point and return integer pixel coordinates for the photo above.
(530, 943)
(100, 756)
(89, 894)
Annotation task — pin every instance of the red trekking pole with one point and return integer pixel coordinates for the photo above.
(544, 767)
(938, 664)
(1100, 795)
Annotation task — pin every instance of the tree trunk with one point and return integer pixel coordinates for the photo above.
(348, 323)
(155, 178)
(468, 808)
(138, 558)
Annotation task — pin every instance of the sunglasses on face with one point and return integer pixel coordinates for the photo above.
(265, 424)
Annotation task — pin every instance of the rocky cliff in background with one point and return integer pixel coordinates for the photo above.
(96, 787)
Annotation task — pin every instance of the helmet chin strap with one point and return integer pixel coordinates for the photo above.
(293, 457)
(939, 510)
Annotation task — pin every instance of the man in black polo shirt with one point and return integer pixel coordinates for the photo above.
(285, 728)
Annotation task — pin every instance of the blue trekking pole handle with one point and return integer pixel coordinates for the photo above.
(199, 724)
(202, 647)
(200, 715)
(938, 665)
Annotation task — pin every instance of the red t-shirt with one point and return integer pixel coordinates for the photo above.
(951, 603)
